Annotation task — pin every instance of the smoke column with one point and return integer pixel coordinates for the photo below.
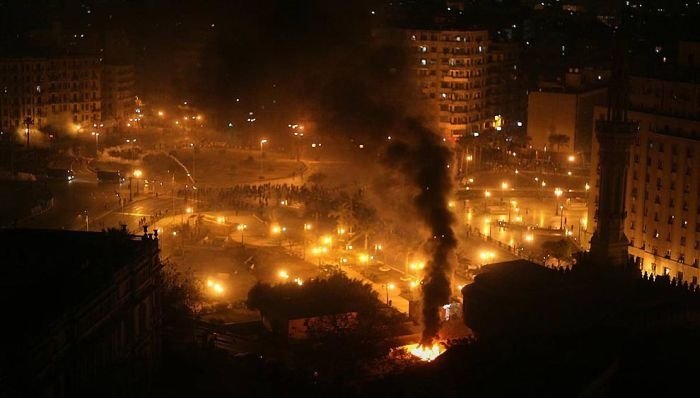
(423, 159)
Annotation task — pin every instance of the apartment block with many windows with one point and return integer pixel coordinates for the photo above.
(61, 92)
(663, 182)
(451, 69)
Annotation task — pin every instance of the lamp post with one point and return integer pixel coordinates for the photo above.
(561, 217)
(557, 192)
(87, 220)
(241, 227)
(298, 131)
(263, 141)
(504, 186)
(307, 228)
(468, 159)
(28, 122)
(388, 286)
(97, 138)
(137, 173)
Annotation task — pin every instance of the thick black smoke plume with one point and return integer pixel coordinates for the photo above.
(424, 161)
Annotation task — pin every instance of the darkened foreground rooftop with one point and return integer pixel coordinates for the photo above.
(65, 294)
(589, 331)
(45, 272)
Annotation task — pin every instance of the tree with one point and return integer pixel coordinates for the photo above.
(181, 293)
(338, 343)
(559, 249)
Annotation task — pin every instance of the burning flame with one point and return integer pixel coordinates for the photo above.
(426, 353)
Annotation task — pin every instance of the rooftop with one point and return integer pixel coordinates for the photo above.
(47, 273)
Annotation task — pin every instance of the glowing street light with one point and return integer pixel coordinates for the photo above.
(557, 192)
(388, 286)
(276, 229)
(327, 240)
(504, 186)
(241, 228)
(97, 140)
(282, 274)
(307, 227)
(572, 158)
(262, 142)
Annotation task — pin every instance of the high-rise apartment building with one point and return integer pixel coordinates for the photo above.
(663, 183)
(451, 69)
(118, 101)
(60, 92)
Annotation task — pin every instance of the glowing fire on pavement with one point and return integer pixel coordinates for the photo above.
(425, 353)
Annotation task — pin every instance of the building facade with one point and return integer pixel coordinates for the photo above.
(63, 93)
(97, 330)
(506, 92)
(451, 70)
(560, 117)
(118, 96)
(663, 184)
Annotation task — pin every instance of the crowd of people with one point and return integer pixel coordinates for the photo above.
(255, 196)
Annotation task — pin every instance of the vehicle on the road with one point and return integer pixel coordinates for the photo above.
(109, 176)
(60, 174)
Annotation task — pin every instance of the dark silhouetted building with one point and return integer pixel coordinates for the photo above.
(82, 313)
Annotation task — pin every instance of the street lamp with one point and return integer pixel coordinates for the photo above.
(97, 137)
(388, 286)
(241, 227)
(557, 192)
(263, 141)
(504, 186)
(137, 173)
(87, 220)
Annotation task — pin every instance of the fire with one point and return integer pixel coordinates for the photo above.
(426, 353)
